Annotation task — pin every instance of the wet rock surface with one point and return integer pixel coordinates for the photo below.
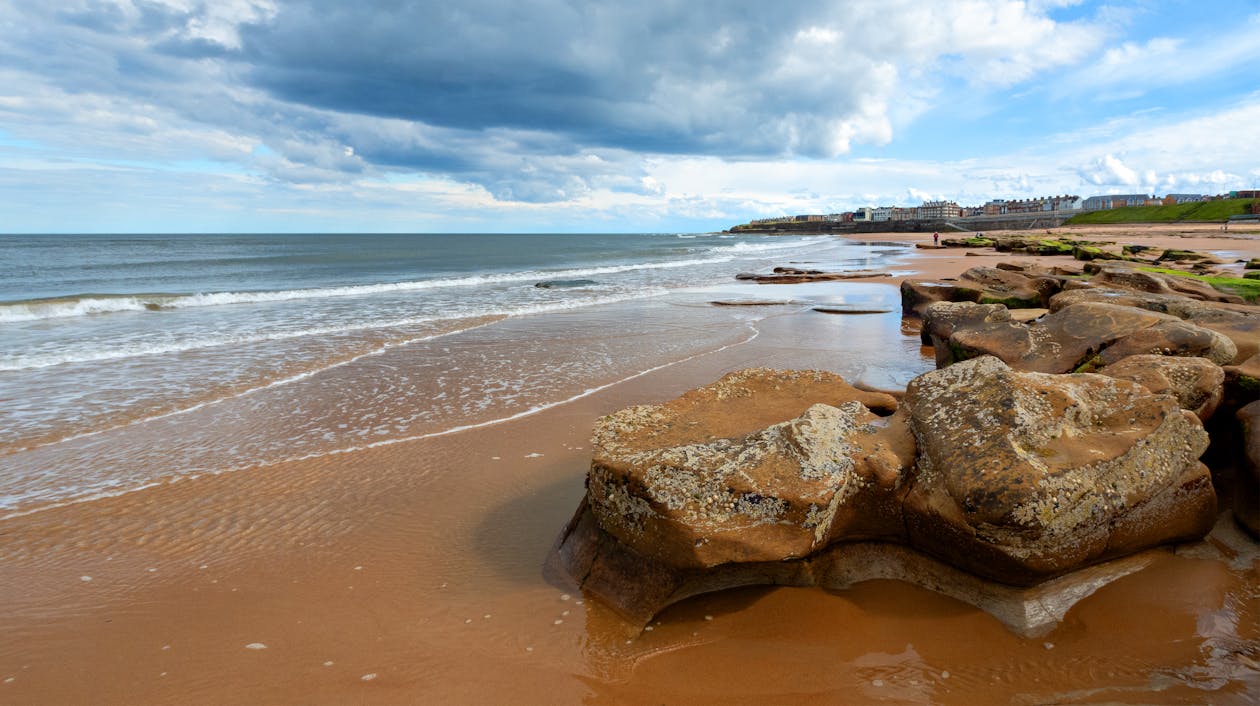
(1247, 499)
(794, 275)
(780, 476)
(1197, 383)
(1023, 476)
(983, 285)
(760, 466)
(1057, 442)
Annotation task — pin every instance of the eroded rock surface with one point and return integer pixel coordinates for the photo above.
(1197, 383)
(784, 477)
(1247, 496)
(1030, 288)
(762, 465)
(1238, 322)
(1085, 333)
(1023, 476)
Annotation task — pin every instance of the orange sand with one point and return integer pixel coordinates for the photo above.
(414, 574)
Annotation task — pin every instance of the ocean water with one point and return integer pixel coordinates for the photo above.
(127, 360)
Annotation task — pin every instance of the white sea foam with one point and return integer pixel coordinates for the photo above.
(85, 305)
(96, 352)
(109, 489)
(266, 386)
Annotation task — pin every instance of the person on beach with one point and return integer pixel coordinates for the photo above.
(936, 238)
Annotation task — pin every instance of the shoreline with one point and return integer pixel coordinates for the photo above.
(413, 572)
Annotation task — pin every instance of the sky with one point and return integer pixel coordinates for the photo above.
(605, 115)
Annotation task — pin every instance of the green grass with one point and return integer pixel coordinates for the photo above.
(1248, 289)
(1201, 211)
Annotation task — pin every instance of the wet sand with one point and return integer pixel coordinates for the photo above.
(414, 573)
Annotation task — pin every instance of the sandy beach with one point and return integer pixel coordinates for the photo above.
(414, 573)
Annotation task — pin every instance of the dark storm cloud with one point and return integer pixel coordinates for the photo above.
(535, 100)
(629, 75)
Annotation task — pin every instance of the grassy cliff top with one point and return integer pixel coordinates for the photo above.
(1200, 211)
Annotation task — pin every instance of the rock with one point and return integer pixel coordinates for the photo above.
(978, 241)
(751, 302)
(565, 283)
(1242, 383)
(1024, 316)
(1025, 476)
(637, 588)
(1182, 256)
(1247, 495)
(1171, 338)
(1125, 277)
(1197, 383)
(827, 309)
(1086, 333)
(941, 319)
(788, 478)
(1015, 290)
(789, 275)
(1238, 322)
(916, 295)
(717, 476)
(983, 285)
(796, 271)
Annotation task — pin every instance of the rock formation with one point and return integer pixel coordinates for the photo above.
(1050, 442)
(1197, 383)
(785, 476)
(983, 285)
(1247, 495)
(1023, 476)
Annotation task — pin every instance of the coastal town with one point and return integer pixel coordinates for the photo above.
(1037, 211)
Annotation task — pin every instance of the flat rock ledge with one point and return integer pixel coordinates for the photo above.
(1017, 492)
(637, 588)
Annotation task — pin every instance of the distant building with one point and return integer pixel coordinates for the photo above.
(1186, 198)
(1245, 194)
(999, 207)
(1100, 203)
(939, 210)
(883, 213)
(864, 215)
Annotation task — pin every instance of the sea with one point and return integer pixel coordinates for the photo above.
(131, 360)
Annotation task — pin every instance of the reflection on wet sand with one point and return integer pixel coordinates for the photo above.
(413, 572)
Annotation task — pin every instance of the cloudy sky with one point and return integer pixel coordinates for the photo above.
(605, 115)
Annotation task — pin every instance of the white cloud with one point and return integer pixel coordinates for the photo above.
(1137, 66)
(1109, 170)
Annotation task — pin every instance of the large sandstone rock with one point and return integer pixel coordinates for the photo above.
(637, 588)
(1247, 494)
(941, 319)
(1238, 322)
(760, 466)
(1015, 290)
(1023, 476)
(983, 285)
(789, 478)
(1242, 383)
(1197, 383)
(1086, 333)
(1121, 277)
